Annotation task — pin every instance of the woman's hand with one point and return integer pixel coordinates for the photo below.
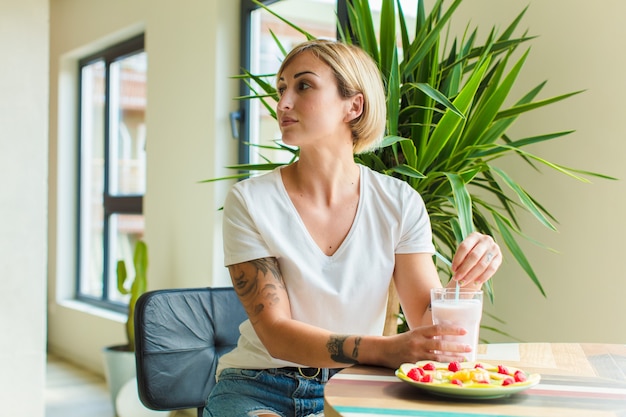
(424, 343)
(477, 258)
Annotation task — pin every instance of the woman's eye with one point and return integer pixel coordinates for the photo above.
(280, 90)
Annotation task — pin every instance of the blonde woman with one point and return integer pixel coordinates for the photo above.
(312, 248)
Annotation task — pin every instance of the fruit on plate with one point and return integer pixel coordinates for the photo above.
(464, 374)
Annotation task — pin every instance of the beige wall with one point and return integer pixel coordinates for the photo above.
(193, 49)
(23, 193)
(579, 47)
(192, 52)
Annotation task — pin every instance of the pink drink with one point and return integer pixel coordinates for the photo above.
(465, 312)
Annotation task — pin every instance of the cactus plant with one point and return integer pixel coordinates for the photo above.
(137, 287)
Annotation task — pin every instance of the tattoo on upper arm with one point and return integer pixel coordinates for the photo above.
(266, 265)
(335, 348)
(255, 292)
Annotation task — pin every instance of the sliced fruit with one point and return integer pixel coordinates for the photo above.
(415, 373)
(429, 366)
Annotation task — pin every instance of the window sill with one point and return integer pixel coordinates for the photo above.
(86, 308)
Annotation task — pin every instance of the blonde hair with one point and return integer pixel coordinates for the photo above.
(356, 72)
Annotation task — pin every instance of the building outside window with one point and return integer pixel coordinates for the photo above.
(112, 167)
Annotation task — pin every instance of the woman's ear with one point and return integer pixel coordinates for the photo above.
(356, 107)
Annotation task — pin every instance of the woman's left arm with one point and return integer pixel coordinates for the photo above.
(477, 258)
(414, 275)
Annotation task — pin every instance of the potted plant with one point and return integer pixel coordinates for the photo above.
(447, 122)
(137, 287)
(120, 359)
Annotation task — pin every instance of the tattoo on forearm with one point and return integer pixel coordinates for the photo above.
(255, 294)
(355, 350)
(335, 348)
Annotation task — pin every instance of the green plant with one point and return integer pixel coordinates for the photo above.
(137, 287)
(447, 121)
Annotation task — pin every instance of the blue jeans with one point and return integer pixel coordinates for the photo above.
(250, 392)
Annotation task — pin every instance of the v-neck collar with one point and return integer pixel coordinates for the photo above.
(314, 246)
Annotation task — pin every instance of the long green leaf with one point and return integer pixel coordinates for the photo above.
(438, 97)
(490, 150)
(431, 38)
(393, 94)
(450, 121)
(495, 49)
(517, 252)
(499, 127)
(362, 25)
(463, 204)
(404, 31)
(515, 110)
(392, 139)
(567, 171)
(287, 22)
(388, 52)
(496, 98)
(524, 198)
(497, 331)
(227, 177)
(508, 32)
(256, 167)
(405, 170)
(410, 152)
(268, 88)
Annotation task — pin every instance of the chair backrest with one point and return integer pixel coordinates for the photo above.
(180, 334)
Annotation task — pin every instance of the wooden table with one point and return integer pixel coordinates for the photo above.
(576, 380)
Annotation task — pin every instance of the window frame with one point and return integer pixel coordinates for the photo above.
(112, 204)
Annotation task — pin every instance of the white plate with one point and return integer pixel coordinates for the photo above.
(476, 391)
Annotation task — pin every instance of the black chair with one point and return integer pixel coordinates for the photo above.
(179, 336)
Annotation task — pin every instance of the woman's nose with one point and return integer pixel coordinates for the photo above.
(284, 102)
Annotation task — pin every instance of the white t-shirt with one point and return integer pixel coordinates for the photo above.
(345, 293)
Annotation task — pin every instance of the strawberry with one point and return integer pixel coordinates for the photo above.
(429, 366)
(503, 370)
(454, 366)
(519, 376)
(427, 378)
(508, 381)
(479, 365)
(415, 374)
(456, 382)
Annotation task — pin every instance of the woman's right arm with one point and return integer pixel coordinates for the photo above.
(261, 289)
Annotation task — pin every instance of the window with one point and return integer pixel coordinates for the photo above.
(112, 167)
(261, 55)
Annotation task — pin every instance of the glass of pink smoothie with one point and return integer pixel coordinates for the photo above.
(462, 309)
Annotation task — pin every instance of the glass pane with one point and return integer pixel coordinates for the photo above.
(128, 125)
(126, 230)
(317, 17)
(91, 178)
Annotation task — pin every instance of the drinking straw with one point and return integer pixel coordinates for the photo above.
(447, 262)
